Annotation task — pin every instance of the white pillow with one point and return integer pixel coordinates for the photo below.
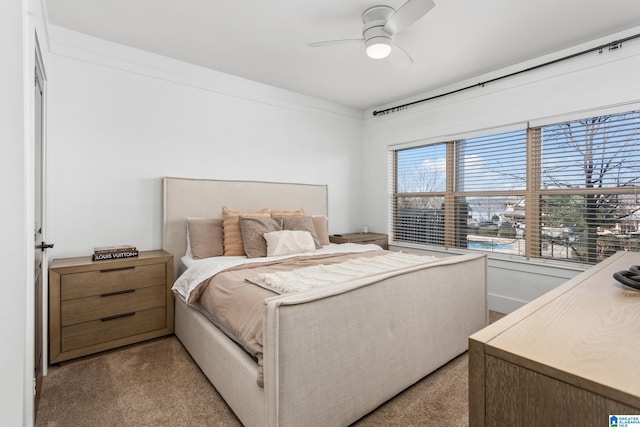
(289, 242)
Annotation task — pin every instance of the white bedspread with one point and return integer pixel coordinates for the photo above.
(199, 270)
(317, 276)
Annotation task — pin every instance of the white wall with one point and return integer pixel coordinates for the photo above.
(120, 119)
(13, 250)
(587, 82)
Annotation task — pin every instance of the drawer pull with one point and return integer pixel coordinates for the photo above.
(117, 316)
(106, 270)
(109, 294)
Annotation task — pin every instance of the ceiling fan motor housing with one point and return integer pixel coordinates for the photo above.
(373, 33)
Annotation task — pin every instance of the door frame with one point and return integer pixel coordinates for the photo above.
(39, 63)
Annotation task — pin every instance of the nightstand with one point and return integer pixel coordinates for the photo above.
(99, 305)
(381, 240)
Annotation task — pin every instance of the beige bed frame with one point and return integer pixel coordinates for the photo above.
(330, 357)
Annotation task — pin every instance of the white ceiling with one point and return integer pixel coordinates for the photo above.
(266, 41)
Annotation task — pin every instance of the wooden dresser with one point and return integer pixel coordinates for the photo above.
(568, 358)
(381, 240)
(99, 305)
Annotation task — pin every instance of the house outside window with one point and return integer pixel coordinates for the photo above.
(564, 191)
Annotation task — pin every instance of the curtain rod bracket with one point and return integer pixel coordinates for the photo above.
(615, 45)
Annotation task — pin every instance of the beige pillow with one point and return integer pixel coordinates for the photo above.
(252, 230)
(320, 223)
(289, 242)
(205, 237)
(301, 223)
(277, 213)
(231, 226)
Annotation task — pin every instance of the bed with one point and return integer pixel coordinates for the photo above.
(330, 355)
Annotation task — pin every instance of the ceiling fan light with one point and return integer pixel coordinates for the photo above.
(378, 47)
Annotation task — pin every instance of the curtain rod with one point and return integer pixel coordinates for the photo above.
(617, 44)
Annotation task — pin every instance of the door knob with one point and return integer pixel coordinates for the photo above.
(42, 246)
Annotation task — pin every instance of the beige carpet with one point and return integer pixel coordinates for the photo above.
(156, 383)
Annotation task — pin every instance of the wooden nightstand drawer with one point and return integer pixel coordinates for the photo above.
(380, 242)
(362, 238)
(111, 279)
(99, 305)
(110, 328)
(96, 307)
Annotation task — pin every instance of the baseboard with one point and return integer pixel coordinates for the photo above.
(503, 304)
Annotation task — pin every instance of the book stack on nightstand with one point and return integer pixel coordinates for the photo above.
(381, 240)
(114, 252)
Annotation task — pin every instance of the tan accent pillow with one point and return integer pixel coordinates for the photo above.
(252, 230)
(320, 223)
(231, 226)
(289, 242)
(301, 223)
(276, 213)
(205, 237)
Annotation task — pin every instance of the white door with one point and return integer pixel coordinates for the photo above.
(40, 269)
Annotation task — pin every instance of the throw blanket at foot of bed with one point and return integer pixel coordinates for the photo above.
(322, 275)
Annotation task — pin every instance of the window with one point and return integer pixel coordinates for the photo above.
(490, 190)
(590, 175)
(565, 191)
(421, 187)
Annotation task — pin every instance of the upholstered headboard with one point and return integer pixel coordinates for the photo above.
(204, 198)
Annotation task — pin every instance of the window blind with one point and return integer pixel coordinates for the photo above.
(589, 202)
(420, 183)
(491, 177)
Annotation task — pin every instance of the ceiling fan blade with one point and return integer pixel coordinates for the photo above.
(332, 42)
(407, 14)
(399, 58)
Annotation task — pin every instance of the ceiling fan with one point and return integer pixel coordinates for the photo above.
(381, 24)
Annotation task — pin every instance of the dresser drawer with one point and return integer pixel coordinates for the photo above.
(109, 304)
(102, 330)
(110, 279)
